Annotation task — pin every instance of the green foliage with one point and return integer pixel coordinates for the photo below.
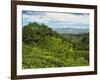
(79, 41)
(43, 48)
(34, 32)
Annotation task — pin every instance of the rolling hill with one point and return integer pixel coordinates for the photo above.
(71, 30)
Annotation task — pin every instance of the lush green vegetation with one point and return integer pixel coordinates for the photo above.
(43, 48)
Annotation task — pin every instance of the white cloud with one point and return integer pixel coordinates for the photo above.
(53, 19)
(69, 17)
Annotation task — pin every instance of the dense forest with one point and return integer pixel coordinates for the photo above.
(43, 48)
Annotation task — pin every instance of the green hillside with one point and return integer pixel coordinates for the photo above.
(44, 48)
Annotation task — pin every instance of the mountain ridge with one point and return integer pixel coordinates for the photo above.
(71, 30)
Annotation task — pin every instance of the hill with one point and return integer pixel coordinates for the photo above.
(44, 48)
(71, 30)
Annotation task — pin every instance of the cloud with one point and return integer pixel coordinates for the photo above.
(54, 19)
(82, 14)
(32, 13)
(69, 17)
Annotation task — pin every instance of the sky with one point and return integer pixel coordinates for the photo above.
(57, 19)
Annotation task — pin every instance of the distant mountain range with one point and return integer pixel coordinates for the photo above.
(71, 30)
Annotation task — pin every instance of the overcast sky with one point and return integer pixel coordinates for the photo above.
(56, 19)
